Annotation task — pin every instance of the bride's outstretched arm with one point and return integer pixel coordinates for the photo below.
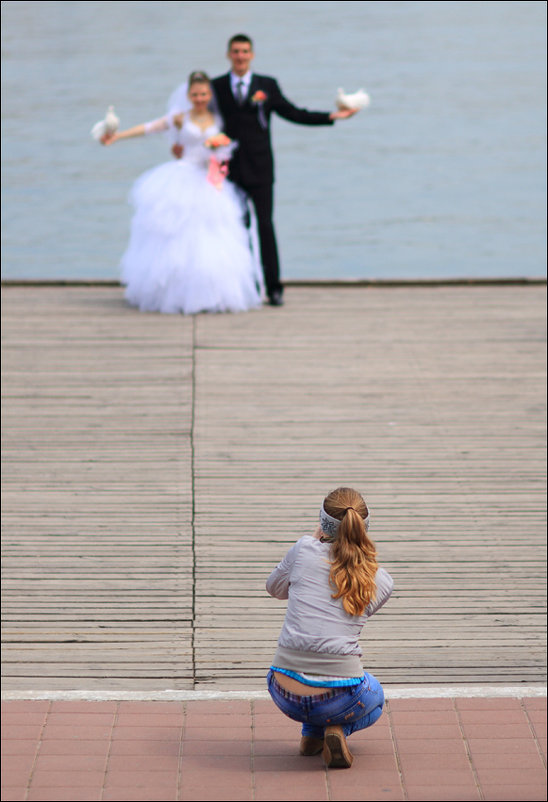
(155, 126)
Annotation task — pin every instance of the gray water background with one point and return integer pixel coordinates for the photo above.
(443, 176)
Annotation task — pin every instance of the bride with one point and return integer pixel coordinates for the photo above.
(189, 250)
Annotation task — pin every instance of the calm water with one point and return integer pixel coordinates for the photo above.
(442, 176)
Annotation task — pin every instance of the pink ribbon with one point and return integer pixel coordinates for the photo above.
(217, 172)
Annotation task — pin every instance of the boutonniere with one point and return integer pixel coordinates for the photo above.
(259, 97)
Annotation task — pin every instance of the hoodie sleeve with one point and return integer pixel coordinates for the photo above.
(279, 580)
(385, 586)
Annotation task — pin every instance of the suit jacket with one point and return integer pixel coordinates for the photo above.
(249, 124)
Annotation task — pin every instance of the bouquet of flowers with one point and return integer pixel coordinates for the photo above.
(217, 141)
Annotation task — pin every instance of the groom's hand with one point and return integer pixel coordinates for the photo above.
(343, 114)
(177, 151)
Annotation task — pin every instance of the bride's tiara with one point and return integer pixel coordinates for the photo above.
(198, 76)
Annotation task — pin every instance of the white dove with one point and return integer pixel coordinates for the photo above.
(357, 100)
(107, 126)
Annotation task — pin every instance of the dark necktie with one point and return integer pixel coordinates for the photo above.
(240, 96)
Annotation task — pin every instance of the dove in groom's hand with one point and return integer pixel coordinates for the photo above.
(356, 100)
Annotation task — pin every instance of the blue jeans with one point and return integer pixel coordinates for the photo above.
(352, 708)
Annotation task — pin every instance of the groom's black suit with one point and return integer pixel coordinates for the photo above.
(252, 166)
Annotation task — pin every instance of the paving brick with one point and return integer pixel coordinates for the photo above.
(489, 730)
(496, 745)
(66, 778)
(117, 778)
(146, 733)
(509, 717)
(63, 795)
(427, 793)
(431, 746)
(71, 748)
(517, 793)
(24, 706)
(84, 730)
(226, 747)
(92, 708)
(19, 747)
(151, 794)
(427, 732)
(62, 762)
(364, 792)
(535, 703)
(419, 705)
(145, 762)
(488, 703)
(505, 760)
(150, 719)
(13, 794)
(141, 746)
(24, 718)
(279, 787)
(512, 776)
(73, 719)
(438, 777)
(149, 708)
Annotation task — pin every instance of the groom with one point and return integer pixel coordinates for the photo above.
(246, 101)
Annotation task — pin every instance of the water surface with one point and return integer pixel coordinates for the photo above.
(443, 176)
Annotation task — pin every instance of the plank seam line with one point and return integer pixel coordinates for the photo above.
(193, 502)
(471, 765)
(396, 751)
(434, 692)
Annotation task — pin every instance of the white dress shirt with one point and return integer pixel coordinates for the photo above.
(246, 81)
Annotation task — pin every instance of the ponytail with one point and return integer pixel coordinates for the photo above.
(353, 553)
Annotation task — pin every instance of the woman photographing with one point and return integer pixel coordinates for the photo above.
(333, 585)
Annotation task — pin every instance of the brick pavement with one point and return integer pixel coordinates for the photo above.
(421, 749)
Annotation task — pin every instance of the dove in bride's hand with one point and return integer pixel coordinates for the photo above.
(355, 100)
(106, 127)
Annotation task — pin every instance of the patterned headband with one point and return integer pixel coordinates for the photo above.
(331, 525)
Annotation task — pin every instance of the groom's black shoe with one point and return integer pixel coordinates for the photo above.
(276, 299)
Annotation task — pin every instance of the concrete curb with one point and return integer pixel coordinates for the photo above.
(437, 692)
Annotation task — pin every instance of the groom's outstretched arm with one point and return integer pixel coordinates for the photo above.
(284, 108)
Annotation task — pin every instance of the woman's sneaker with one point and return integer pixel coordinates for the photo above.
(310, 746)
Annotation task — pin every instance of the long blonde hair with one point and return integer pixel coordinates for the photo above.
(353, 554)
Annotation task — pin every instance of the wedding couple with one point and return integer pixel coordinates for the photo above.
(189, 249)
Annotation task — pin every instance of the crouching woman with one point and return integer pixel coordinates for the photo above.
(333, 584)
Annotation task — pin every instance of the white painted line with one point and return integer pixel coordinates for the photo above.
(466, 691)
(429, 692)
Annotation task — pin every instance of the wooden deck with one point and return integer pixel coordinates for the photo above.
(157, 467)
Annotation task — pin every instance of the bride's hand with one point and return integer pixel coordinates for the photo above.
(109, 139)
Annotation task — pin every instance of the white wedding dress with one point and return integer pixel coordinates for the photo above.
(189, 250)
